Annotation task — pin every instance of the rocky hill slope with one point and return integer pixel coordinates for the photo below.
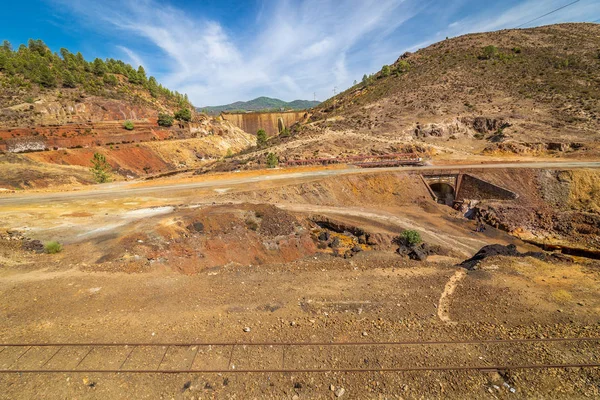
(58, 110)
(528, 91)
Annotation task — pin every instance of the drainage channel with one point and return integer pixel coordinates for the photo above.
(571, 251)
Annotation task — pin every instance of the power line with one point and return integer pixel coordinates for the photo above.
(551, 12)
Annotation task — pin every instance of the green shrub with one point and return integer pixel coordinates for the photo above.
(385, 70)
(403, 66)
(261, 138)
(53, 247)
(128, 125)
(272, 160)
(165, 119)
(285, 132)
(229, 153)
(184, 114)
(410, 237)
(488, 52)
(367, 79)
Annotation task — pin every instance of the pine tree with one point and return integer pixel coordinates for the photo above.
(68, 80)
(45, 76)
(141, 73)
(272, 160)
(99, 67)
(110, 79)
(261, 138)
(100, 168)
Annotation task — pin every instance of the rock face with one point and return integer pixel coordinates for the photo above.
(486, 125)
(68, 132)
(49, 110)
(555, 208)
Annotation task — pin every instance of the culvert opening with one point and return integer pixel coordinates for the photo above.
(444, 193)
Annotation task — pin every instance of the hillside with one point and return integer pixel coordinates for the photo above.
(32, 71)
(261, 104)
(532, 92)
(58, 110)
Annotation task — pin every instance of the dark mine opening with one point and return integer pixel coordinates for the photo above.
(444, 192)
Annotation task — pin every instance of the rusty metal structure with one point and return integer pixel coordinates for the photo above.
(363, 161)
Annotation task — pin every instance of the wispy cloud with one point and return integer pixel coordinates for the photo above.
(133, 58)
(296, 47)
(302, 49)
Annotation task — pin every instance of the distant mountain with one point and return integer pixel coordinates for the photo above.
(260, 104)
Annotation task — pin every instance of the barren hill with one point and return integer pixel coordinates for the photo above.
(529, 91)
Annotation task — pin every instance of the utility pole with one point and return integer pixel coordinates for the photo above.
(314, 96)
(334, 93)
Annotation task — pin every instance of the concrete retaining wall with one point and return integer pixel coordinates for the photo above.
(252, 122)
(473, 188)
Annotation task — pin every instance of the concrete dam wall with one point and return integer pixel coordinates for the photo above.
(271, 122)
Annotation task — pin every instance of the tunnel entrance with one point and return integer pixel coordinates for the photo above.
(444, 193)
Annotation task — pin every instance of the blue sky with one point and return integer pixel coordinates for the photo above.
(223, 51)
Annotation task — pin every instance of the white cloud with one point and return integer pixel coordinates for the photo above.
(301, 49)
(133, 58)
(297, 47)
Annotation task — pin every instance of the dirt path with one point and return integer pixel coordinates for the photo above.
(443, 308)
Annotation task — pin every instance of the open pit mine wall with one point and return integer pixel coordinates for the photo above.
(271, 122)
(103, 133)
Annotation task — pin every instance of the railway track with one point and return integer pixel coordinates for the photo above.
(278, 357)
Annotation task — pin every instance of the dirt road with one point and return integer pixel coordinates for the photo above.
(117, 190)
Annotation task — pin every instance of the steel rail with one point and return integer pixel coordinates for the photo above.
(311, 370)
(397, 343)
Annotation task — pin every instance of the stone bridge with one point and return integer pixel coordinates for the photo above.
(448, 187)
(442, 186)
(271, 122)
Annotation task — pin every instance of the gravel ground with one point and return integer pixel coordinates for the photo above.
(373, 297)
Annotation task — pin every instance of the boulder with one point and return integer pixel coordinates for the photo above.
(418, 254)
(324, 236)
